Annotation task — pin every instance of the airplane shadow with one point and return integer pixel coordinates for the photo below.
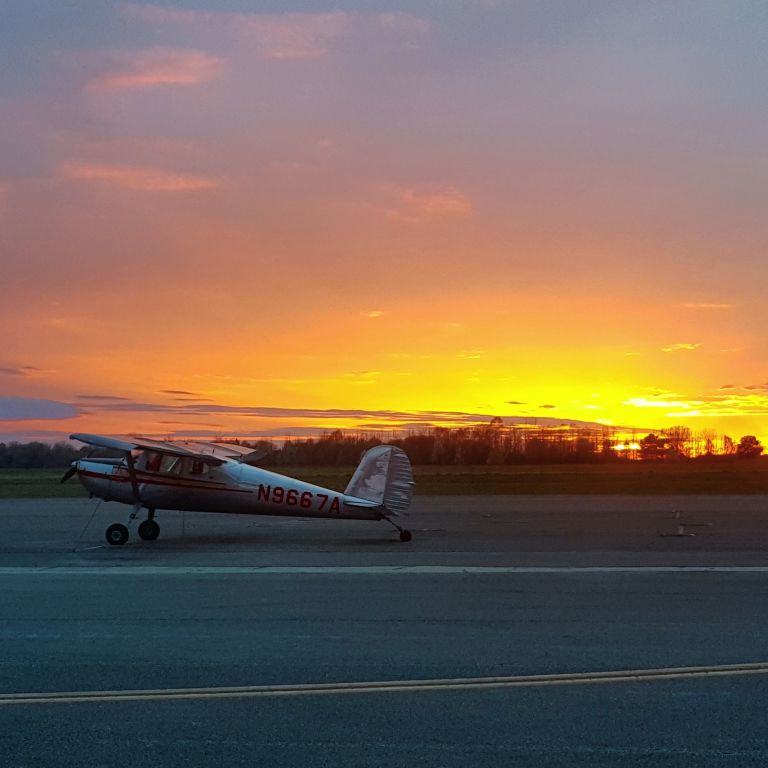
(245, 541)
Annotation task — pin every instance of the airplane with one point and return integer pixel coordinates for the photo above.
(221, 477)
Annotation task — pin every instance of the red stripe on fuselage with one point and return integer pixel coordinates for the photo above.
(200, 485)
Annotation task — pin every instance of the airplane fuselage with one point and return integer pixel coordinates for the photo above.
(227, 488)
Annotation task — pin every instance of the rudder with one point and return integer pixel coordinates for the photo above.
(384, 477)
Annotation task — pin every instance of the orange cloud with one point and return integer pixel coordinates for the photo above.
(154, 67)
(139, 178)
(428, 203)
(680, 348)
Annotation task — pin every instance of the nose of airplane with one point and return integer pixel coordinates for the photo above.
(70, 472)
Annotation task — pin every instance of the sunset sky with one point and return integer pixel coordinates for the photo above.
(267, 218)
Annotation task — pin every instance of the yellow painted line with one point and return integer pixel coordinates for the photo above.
(400, 686)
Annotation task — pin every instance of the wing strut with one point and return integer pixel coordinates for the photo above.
(132, 474)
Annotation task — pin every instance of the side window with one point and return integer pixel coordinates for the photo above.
(152, 462)
(170, 464)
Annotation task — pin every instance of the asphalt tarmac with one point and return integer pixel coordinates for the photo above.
(490, 589)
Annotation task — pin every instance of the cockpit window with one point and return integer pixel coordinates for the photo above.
(151, 461)
(171, 464)
(154, 461)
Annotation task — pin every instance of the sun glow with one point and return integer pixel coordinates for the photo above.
(180, 259)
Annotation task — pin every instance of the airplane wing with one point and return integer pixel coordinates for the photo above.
(144, 443)
(241, 453)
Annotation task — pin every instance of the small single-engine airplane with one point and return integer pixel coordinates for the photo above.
(221, 477)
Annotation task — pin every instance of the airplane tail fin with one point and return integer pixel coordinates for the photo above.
(384, 476)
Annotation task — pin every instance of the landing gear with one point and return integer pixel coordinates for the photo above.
(149, 530)
(405, 535)
(117, 534)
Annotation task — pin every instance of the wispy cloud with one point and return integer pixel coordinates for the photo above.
(273, 36)
(643, 402)
(106, 398)
(153, 67)
(138, 178)
(188, 424)
(684, 347)
(722, 404)
(30, 409)
(294, 35)
(704, 305)
(24, 370)
(419, 204)
(392, 418)
(286, 36)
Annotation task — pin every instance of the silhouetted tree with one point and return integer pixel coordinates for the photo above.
(653, 448)
(678, 441)
(749, 447)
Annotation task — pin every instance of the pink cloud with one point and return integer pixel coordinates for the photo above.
(282, 35)
(274, 36)
(139, 178)
(295, 35)
(157, 67)
(404, 24)
(417, 204)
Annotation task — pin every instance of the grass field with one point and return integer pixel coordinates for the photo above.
(749, 476)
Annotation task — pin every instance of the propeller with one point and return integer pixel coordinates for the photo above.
(69, 473)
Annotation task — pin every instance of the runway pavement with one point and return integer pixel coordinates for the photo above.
(490, 588)
(463, 530)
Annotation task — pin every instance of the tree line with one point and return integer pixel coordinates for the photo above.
(498, 444)
(487, 444)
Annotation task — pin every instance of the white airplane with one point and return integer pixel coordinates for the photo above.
(217, 477)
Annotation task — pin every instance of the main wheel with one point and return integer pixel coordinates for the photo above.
(405, 535)
(149, 530)
(117, 534)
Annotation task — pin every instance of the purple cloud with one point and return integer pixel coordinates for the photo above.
(27, 408)
(101, 397)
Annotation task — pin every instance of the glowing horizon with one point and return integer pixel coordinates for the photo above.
(218, 221)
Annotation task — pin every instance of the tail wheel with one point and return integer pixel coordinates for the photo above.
(405, 535)
(117, 534)
(149, 530)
